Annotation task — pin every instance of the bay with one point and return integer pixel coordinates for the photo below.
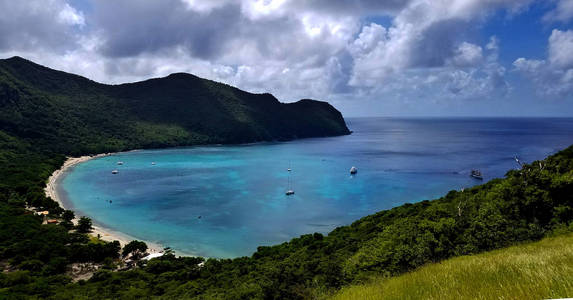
(224, 201)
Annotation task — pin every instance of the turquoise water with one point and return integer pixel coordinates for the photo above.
(224, 201)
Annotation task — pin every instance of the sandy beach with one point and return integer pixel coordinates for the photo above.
(105, 234)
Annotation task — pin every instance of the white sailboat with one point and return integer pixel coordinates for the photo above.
(289, 191)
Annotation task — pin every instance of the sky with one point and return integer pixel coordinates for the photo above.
(366, 57)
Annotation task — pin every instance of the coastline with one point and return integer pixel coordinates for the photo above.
(105, 234)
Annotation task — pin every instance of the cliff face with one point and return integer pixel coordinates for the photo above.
(72, 114)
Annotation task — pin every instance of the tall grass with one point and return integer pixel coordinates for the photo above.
(538, 270)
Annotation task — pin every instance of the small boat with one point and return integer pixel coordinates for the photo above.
(289, 169)
(476, 174)
(119, 163)
(153, 163)
(289, 191)
(353, 170)
(114, 172)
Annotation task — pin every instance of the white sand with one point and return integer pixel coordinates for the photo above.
(105, 234)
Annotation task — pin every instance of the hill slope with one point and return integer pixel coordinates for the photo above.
(539, 270)
(70, 114)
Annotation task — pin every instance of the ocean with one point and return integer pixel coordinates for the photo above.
(225, 201)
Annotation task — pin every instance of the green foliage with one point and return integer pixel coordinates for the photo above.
(41, 252)
(135, 248)
(84, 225)
(69, 114)
(68, 215)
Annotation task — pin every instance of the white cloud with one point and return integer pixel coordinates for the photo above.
(69, 15)
(563, 12)
(430, 36)
(256, 9)
(205, 6)
(40, 26)
(292, 48)
(561, 49)
(553, 76)
(467, 55)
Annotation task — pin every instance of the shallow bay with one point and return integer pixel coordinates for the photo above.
(224, 201)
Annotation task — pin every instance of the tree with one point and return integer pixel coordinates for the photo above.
(68, 215)
(135, 248)
(84, 225)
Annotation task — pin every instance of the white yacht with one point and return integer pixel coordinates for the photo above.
(353, 170)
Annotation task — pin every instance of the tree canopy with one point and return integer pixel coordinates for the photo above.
(84, 225)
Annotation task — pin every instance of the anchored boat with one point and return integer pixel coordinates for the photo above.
(476, 174)
(289, 191)
(353, 170)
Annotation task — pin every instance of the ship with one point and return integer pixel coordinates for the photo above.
(476, 174)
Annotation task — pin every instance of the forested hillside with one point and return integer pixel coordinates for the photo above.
(66, 113)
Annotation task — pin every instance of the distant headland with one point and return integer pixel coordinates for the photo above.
(70, 114)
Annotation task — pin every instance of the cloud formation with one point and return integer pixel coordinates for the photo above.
(563, 12)
(554, 75)
(325, 49)
(49, 25)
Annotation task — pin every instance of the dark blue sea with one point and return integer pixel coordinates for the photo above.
(224, 201)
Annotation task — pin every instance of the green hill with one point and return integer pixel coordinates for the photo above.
(69, 114)
(540, 270)
(46, 114)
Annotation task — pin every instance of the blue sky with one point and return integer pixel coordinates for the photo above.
(366, 57)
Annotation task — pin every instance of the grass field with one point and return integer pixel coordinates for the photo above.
(538, 270)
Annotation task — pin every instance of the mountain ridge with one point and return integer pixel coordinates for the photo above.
(180, 109)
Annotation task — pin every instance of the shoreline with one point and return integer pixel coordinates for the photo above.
(104, 233)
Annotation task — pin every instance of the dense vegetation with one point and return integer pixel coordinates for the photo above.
(539, 270)
(43, 118)
(69, 114)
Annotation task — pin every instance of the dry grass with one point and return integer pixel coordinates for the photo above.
(537, 270)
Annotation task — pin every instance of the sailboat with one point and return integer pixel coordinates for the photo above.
(290, 191)
(353, 170)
